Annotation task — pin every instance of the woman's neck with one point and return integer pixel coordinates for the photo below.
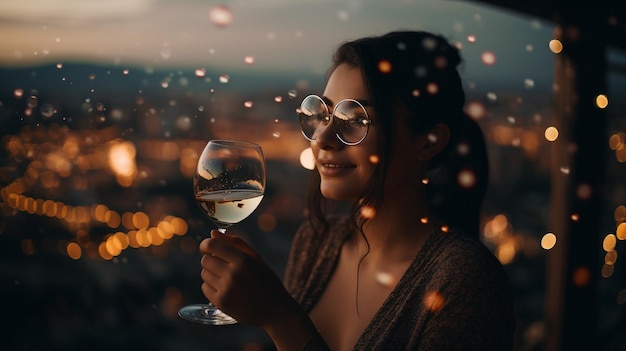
(399, 227)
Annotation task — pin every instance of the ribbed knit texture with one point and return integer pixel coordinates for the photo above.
(454, 295)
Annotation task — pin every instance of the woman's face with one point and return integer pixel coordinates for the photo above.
(344, 170)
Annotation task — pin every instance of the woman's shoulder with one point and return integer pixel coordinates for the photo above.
(466, 261)
(461, 249)
(474, 304)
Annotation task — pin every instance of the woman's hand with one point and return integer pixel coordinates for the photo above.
(239, 282)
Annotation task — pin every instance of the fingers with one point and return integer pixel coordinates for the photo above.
(214, 264)
(213, 269)
(208, 291)
(227, 247)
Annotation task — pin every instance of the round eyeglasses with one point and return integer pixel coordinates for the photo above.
(350, 119)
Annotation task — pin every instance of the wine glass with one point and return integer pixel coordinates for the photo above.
(229, 184)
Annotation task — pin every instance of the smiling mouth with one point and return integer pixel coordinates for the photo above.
(333, 165)
(335, 169)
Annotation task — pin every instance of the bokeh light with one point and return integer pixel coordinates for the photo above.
(384, 66)
(602, 101)
(307, 160)
(488, 58)
(548, 241)
(555, 46)
(551, 133)
(221, 16)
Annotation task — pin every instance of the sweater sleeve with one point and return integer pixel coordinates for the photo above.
(294, 274)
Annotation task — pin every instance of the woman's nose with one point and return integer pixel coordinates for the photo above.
(326, 137)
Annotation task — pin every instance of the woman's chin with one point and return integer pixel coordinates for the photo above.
(337, 194)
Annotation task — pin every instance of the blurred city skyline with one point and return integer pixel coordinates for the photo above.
(272, 36)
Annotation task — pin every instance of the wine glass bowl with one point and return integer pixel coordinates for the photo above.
(228, 185)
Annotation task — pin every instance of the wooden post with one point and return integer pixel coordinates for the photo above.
(576, 197)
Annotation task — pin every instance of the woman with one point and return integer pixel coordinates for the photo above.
(405, 269)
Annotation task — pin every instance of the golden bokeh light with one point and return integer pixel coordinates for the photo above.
(602, 101)
(620, 232)
(113, 219)
(143, 237)
(104, 253)
(609, 242)
(384, 66)
(555, 46)
(155, 238)
(506, 250)
(620, 154)
(179, 225)
(385, 279)
(476, 110)
(617, 140)
(307, 160)
(141, 220)
(434, 301)
(432, 88)
(620, 214)
(611, 257)
(127, 220)
(113, 246)
(466, 178)
(607, 270)
(121, 158)
(496, 226)
(548, 241)
(74, 251)
(551, 134)
(368, 212)
(132, 239)
(498, 231)
(61, 157)
(165, 230)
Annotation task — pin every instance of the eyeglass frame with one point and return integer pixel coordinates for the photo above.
(328, 117)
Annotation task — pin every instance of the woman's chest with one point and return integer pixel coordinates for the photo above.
(355, 292)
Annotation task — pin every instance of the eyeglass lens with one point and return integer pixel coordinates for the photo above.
(350, 120)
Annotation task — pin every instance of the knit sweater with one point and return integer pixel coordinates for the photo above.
(454, 295)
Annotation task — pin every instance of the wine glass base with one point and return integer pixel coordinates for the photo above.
(206, 314)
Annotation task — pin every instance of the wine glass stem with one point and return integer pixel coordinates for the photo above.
(222, 230)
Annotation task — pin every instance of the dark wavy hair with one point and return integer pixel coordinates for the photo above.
(417, 72)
